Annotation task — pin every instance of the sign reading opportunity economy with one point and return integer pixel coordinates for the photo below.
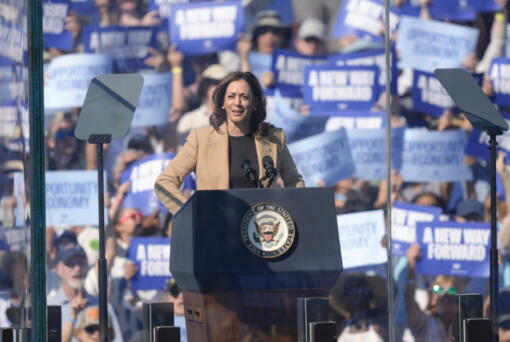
(428, 44)
(452, 248)
(295, 125)
(363, 18)
(68, 77)
(151, 256)
(368, 148)
(288, 69)
(200, 28)
(71, 198)
(127, 45)
(359, 233)
(324, 157)
(155, 100)
(404, 218)
(434, 156)
(54, 33)
(332, 88)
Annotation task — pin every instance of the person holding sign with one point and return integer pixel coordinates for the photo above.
(269, 33)
(439, 321)
(229, 153)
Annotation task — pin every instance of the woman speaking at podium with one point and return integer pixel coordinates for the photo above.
(237, 150)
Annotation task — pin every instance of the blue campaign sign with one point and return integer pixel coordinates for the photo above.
(151, 256)
(463, 10)
(288, 69)
(487, 5)
(84, 7)
(259, 63)
(11, 88)
(8, 120)
(404, 218)
(429, 96)
(71, 198)
(295, 125)
(434, 156)
(428, 44)
(164, 6)
(155, 100)
(68, 78)
(356, 119)
(363, 18)
(359, 233)
(375, 57)
(478, 144)
(329, 88)
(13, 43)
(368, 149)
(452, 248)
(323, 157)
(128, 46)
(201, 28)
(54, 33)
(291, 99)
(499, 74)
(142, 174)
(436, 8)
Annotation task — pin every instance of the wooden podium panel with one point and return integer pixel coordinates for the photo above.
(268, 316)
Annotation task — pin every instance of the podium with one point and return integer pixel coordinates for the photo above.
(242, 257)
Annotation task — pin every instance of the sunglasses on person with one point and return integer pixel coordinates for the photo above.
(310, 40)
(77, 261)
(91, 329)
(439, 290)
(265, 29)
(133, 216)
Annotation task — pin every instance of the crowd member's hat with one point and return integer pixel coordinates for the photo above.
(313, 28)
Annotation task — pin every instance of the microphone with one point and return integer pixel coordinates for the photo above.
(271, 171)
(250, 172)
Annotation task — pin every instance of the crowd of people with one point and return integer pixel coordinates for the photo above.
(425, 308)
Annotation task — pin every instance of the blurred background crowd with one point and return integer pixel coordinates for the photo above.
(424, 304)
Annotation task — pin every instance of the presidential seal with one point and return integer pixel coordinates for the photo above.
(267, 230)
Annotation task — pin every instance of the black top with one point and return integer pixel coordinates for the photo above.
(241, 149)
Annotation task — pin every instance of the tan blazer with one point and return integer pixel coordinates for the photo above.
(206, 153)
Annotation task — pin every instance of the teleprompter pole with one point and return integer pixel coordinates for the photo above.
(494, 247)
(99, 140)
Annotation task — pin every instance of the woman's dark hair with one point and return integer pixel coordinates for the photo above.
(439, 201)
(258, 114)
(203, 86)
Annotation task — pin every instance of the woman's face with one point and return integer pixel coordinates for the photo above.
(269, 39)
(238, 103)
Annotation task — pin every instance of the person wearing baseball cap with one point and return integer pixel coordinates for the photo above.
(311, 37)
(87, 329)
(72, 268)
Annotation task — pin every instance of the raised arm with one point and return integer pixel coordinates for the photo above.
(169, 182)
